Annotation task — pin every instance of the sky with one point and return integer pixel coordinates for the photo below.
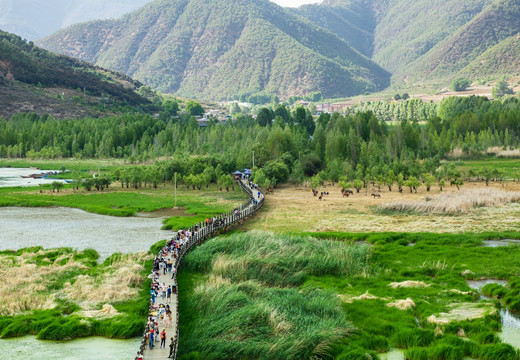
(295, 3)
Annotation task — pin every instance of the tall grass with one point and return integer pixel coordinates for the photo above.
(246, 305)
(452, 203)
(281, 260)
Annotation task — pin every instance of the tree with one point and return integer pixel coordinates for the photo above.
(400, 181)
(276, 169)
(226, 181)
(390, 179)
(397, 97)
(358, 184)
(170, 108)
(56, 185)
(155, 175)
(460, 84)
(264, 117)
(429, 179)
(316, 181)
(457, 182)
(486, 174)
(501, 88)
(76, 180)
(297, 173)
(88, 183)
(442, 184)
(344, 184)
(194, 108)
(412, 183)
(209, 175)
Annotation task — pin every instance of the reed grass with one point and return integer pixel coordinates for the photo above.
(241, 300)
(460, 202)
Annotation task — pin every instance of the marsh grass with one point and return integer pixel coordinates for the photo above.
(241, 297)
(46, 293)
(279, 260)
(460, 202)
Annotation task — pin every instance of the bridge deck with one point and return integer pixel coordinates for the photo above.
(157, 352)
(163, 353)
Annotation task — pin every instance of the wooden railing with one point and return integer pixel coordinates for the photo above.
(202, 232)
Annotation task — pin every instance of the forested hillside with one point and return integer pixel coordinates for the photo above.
(496, 23)
(33, 79)
(401, 31)
(216, 49)
(501, 59)
(352, 20)
(427, 40)
(34, 19)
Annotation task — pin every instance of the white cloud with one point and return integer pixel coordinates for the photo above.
(295, 3)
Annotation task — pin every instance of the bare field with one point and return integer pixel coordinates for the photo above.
(293, 209)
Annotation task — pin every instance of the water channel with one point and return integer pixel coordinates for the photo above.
(13, 177)
(65, 227)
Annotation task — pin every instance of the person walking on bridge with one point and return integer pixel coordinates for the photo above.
(151, 339)
(163, 338)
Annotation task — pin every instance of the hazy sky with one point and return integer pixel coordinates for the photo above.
(295, 3)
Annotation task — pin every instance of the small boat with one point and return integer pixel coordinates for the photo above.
(34, 168)
(68, 181)
(26, 176)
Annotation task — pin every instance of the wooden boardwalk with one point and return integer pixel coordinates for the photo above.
(204, 233)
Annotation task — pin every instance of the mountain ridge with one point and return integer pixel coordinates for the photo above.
(192, 48)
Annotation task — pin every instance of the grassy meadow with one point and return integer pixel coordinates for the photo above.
(259, 295)
(61, 294)
(295, 209)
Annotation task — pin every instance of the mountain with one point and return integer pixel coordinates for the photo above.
(33, 79)
(498, 22)
(35, 19)
(394, 33)
(501, 59)
(352, 20)
(213, 49)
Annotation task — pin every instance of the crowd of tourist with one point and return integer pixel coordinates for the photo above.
(160, 312)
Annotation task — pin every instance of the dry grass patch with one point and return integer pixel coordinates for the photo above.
(295, 209)
(120, 281)
(406, 304)
(32, 281)
(459, 202)
(408, 284)
(463, 311)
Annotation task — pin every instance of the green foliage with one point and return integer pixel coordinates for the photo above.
(460, 84)
(501, 89)
(194, 108)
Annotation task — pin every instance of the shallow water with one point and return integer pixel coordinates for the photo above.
(393, 354)
(510, 328)
(66, 227)
(93, 348)
(479, 284)
(12, 177)
(510, 323)
(500, 243)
